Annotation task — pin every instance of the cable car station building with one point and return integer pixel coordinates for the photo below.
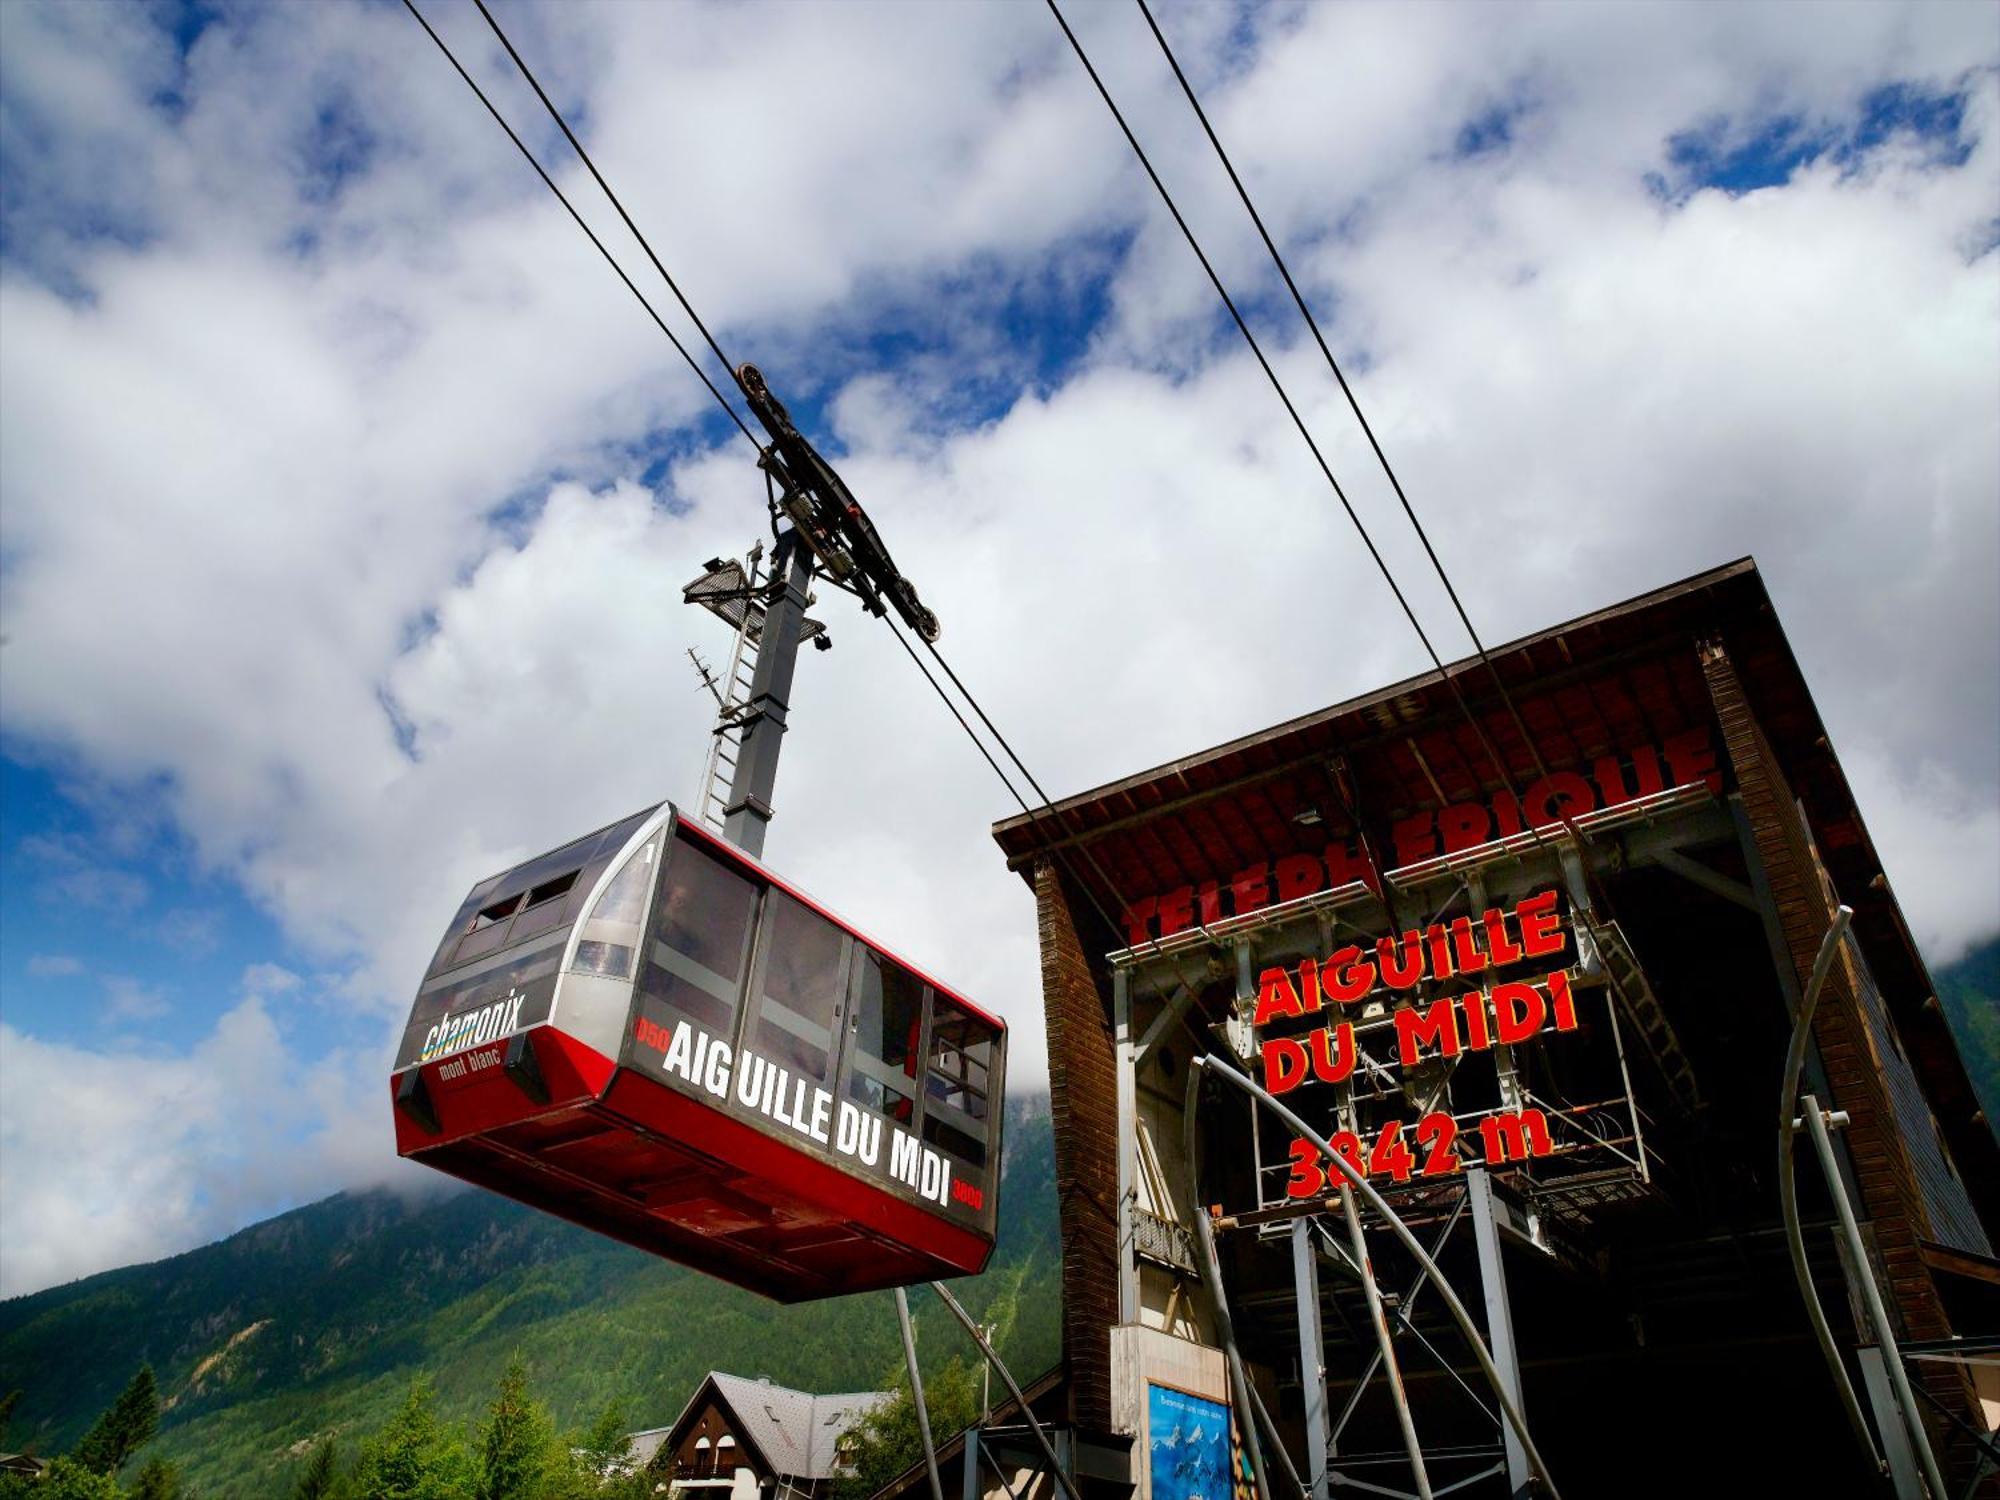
(1547, 1013)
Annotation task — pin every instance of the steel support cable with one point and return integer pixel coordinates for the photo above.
(1353, 404)
(1243, 327)
(589, 233)
(583, 155)
(562, 124)
(1788, 1195)
(902, 1302)
(945, 698)
(701, 375)
(1014, 1390)
(1048, 806)
(1033, 814)
(1222, 1068)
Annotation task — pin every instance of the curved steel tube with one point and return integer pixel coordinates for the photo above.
(1222, 1068)
(1788, 1192)
(1007, 1379)
(917, 1391)
(1211, 1277)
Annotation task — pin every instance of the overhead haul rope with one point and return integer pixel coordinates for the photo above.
(1527, 820)
(1034, 814)
(1353, 404)
(610, 260)
(1465, 709)
(1291, 410)
(583, 155)
(1048, 805)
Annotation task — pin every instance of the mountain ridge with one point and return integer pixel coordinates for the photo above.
(313, 1322)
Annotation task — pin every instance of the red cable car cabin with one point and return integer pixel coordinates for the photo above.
(652, 1035)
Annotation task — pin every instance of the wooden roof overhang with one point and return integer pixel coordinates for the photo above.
(1623, 675)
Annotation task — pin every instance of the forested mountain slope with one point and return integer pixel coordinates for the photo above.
(315, 1321)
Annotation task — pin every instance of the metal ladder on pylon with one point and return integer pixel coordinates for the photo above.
(733, 705)
(1629, 983)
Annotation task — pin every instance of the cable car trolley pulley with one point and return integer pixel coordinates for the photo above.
(829, 520)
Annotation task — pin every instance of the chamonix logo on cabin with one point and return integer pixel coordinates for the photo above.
(455, 1033)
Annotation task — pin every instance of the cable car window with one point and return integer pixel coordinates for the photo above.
(956, 1082)
(610, 936)
(544, 907)
(805, 969)
(498, 912)
(701, 934)
(888, 1027)
(550, 890)
(488, 931)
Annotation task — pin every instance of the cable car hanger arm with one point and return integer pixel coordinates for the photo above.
(829, 520)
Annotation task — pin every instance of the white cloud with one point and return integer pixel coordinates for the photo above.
(54, 965)
(266, 980)
(116, 1157)
(191, 930)
(70, 873)
(129, 999)
(302, 418)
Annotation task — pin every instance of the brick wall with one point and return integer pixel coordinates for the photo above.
(1892, 1199)
(1084, 1100)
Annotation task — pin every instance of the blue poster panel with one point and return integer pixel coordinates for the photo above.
(1189, 1438)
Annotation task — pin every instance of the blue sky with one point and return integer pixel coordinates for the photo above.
(347, 496)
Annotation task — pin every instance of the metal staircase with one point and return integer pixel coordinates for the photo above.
(1635, 996)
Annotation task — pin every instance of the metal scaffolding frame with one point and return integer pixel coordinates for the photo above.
(1604, 1154)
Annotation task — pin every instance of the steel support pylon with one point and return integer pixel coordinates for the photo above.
(749, 810)
(1312, 1355)
(1499, 1321)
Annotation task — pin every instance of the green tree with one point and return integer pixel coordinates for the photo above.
(604, 1445)
(67, 1479)
(414, 1456)
(125, 1426)
(316, 1479)
(886, 1441)
(159, 1480)
(519, 1453)
(7, 1404)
